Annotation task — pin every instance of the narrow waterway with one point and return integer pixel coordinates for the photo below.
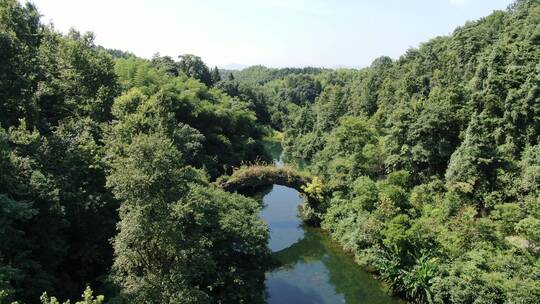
(310, 268)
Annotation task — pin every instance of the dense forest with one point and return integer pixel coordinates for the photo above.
(428, 166)
(106, 161)
(431, 162)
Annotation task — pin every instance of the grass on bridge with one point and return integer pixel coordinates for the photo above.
(263, 175)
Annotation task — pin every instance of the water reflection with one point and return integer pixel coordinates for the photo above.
(280, 212)
(308, 266)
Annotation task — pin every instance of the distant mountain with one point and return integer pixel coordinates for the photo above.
(233, 66)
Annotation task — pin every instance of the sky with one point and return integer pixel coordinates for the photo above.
(275, 33)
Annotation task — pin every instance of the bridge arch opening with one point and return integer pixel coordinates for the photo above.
(252, 177)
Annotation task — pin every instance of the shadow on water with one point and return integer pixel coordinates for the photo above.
(257, 193)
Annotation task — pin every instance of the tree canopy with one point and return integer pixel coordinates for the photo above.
(427, 166)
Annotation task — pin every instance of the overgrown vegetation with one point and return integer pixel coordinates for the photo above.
(255, 175)
(84, 134)
(432, 162)
(428, 166)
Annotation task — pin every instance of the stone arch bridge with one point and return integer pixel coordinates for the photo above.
(250, 177)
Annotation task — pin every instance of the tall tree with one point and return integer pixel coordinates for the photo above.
(165, 63)
(20, 38)
(216, 76)
(193, 66)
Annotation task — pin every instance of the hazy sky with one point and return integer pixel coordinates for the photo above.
(275, 33)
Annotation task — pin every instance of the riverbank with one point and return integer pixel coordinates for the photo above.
(311, 267)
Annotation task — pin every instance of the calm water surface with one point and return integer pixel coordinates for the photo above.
(310, 267)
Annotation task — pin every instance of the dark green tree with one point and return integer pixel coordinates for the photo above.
(216, 76)
(165, 63)
(193, 66)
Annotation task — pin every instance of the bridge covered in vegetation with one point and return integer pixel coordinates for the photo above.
(264, 175)
(251, 177)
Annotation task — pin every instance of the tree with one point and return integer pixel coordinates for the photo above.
(178, 238)
(459, 114)
(79, 79)
(87, 298)
(166, 64)
(19, 42)
(216, 76)
(471, 170)
(193, 66)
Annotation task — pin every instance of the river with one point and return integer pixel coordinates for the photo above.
(311, 268)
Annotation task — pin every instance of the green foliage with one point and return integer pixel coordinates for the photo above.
(430, 165)
(507, 216)
(193, 66)
(529, 229)
(431, 161)
(73, 116)
(216, 76)
(221, 131)
(165, 64)
(20, 33)
(179, 239)
(56, 214)
(87, 298)
(343, 152)
(261, 75)
(314, 189)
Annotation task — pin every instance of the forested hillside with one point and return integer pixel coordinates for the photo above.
(431, 162)
(83, 134)
(429, 166)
